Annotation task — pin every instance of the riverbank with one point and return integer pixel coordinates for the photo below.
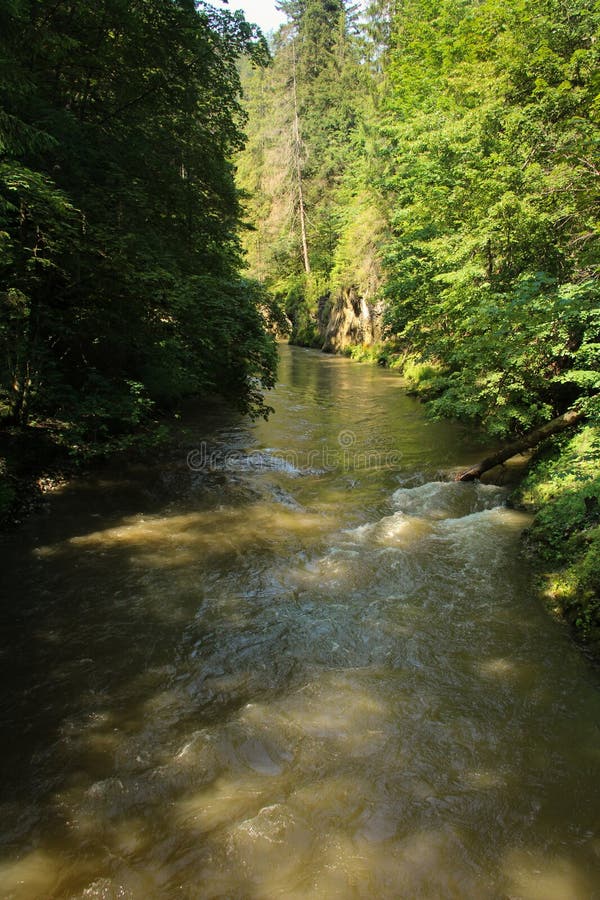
(37, 459)
(562, 486)
(559, 483)
(32, 464)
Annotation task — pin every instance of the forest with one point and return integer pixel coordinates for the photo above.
(413, 184)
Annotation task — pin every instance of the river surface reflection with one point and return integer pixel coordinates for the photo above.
(293, 660)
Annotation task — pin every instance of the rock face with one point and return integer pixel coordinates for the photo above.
(348, 318)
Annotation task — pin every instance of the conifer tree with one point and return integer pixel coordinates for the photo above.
(313, 90)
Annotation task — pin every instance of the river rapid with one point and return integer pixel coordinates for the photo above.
(294, 660)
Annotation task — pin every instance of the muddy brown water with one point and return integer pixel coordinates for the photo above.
(292, 661)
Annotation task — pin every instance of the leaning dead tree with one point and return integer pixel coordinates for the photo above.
(535, 437)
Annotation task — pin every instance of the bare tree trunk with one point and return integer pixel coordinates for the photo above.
(535, 437)
(298, 162)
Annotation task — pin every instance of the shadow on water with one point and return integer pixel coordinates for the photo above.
(258, 684)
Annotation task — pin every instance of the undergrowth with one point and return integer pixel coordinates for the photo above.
(564, 487)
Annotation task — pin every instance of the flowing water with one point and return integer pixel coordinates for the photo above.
(294, 660)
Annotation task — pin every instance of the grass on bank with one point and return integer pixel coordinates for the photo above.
(563, 486)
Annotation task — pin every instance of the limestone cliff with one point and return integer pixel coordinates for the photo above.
(348, 318)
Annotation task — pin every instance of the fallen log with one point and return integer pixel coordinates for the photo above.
(535, 437)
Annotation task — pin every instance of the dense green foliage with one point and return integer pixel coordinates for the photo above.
(119, 252)
(492, 126)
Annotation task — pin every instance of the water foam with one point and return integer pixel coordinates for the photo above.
(447, 499)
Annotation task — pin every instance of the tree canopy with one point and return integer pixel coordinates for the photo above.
(119, 215)
(492, 127)
(449, 169)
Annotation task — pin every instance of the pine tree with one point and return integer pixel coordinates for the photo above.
(313, 85)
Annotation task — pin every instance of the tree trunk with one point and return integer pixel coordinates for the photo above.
(298, 161)
(535, 437)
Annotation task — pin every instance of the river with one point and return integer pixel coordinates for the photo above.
(292, 660)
